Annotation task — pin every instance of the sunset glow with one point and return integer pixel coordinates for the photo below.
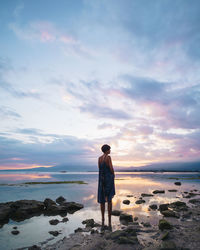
(79, 74)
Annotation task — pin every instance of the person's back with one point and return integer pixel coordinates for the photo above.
(106, 187)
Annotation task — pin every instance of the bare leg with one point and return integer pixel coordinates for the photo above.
(102, 212)
(109, 212)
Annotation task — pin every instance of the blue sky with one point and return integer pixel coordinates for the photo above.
(77, 74)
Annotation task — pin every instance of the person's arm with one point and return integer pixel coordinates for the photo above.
(98, 162)
(110, 165)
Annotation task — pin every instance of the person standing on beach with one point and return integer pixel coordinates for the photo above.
(106, 186)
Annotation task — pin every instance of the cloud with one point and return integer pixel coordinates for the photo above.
(67, 150)
(6, 67)
(6, 112)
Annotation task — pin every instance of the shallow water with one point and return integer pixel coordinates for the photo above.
(35, 230)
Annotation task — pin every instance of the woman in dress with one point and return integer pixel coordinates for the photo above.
(106, 186)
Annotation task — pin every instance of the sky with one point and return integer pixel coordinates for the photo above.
(75, 75)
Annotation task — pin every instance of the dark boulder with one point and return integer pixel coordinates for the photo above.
(116, 212)
(158, 191)
(15, 232)
(127, 202)
(54, 233)
(88, 222)
(172, 190)
(60, 200)
(125, 218)
(72, 207)
(54, 222)
(178, 183)
(146, 195)
(163, 207)
(140, 201)
(163, 224)
(153, 206)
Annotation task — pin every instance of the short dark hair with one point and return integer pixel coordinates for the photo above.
(105, 148)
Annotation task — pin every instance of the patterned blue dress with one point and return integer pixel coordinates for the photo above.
(106, 185)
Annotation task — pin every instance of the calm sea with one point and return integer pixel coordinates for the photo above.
(35, 230)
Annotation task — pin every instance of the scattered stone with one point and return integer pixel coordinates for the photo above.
(116, 212)
(140, 201)
(153, 206)
(146, 195)
(54, 233)
(79, 229)
(60, 200)
(71, 207)
(129, 195)
(163, 224)
(135, 218)
(178, 183)
(65, 219)
(163, 207)
(48, 203)
(54, 222)
(15, 232)
(168, 245)
(158, 191)
(127, 240)
(169, 213)
(146, 224)
(127, 202)
(178, 206)
(14, 227)
(34, 247)
(165, 236)
(125, 218)
(94, 231)
(195, 201)
(88, 222)
(172, 190)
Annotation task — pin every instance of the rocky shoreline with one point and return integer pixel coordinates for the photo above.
(179, 227)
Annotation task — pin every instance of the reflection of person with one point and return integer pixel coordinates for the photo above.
(106, 186)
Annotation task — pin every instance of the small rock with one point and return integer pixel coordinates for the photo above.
(54, 222)
(116, 212)
(79, 229)
(165, 236)
(48, 203)
(54, 233)
(153, 206)
(168, 245)
(163, 207)
(178, 183)
(146, 195)
(60, 200)
(168, 213)
(172, 190)
(127, 202)
(158, 191)
(135, 218)
(163, 224)
(14, 227)
(195, 201)
(146, 224)
(140, 201)
(88, 222)
(129, 195)
(126, 218)
(15, 232)
(34, 247)
(127, 240)
(65, 219)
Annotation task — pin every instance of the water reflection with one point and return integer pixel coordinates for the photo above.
(35, 230)
(23, 177)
